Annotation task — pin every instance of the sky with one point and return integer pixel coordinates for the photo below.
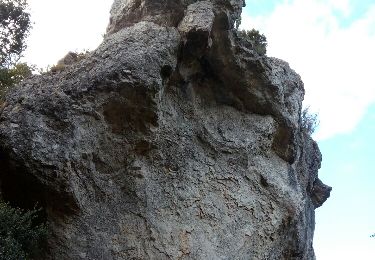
(331, 44)
(63, 26)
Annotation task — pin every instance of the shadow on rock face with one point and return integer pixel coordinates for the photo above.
(132, 111)
(23, 190)
(18, 187)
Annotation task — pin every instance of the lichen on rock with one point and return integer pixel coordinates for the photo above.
(173, 140)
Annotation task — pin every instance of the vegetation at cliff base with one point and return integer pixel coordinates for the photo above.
(258, 40)
(20, 237)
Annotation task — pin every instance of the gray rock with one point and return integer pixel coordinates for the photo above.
(173, 140)
(125, 13)
(198, 17)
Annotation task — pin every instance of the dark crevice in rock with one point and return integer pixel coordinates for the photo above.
(166, 71)
(263, 181)
(196, 43)
(22, 189)
(283, 144)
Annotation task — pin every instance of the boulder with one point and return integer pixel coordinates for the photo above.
(173, 139)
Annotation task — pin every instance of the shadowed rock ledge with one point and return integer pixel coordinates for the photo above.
(173, 139)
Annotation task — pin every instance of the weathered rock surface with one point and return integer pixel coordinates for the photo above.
(172, 140)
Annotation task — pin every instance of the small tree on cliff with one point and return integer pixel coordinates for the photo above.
(258, 40)
(309, 121)
(14, 27)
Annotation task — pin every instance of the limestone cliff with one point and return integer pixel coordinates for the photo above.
(173, 140)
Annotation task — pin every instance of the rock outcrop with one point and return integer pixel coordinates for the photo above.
(173, 140)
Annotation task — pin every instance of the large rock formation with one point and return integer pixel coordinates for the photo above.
(173, 140)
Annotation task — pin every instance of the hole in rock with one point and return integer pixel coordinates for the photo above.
(263, 181)
(20, 189)
(166, 72)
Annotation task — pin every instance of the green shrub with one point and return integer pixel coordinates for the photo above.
(20, 237)
(11, 76)
(258, 40)
(309, 121)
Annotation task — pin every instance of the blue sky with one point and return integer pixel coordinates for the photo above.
(345, 222)
(357, 8)
(331, 44)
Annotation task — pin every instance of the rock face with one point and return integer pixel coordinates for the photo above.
(173, 140)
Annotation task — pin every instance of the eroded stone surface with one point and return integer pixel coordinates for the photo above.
(165, 12)
(172, 140)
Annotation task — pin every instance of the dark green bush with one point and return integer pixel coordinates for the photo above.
(309, 121)
(20, 237)
(258, 40)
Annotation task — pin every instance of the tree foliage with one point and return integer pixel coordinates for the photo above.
(309, 121)
(258, 40)
(20, 237)
(14, 28)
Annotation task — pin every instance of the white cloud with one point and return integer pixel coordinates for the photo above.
(341, 5)
(363, 250)
(63, 26)
(335, 63)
